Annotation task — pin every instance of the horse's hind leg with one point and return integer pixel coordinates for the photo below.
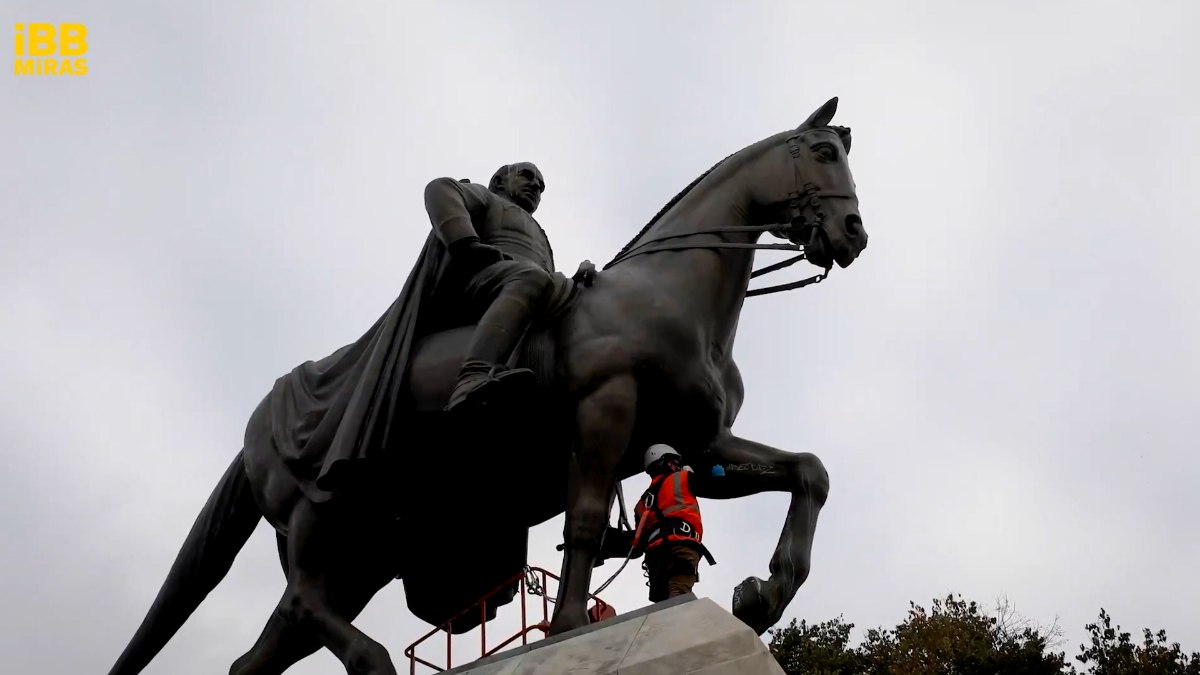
(751, 468)
(283, 644)
(279, 647)
(333, 572)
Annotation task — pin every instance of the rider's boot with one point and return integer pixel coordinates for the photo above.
(484, 373)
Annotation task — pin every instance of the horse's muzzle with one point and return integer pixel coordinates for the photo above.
(854, 240)
(817, 249)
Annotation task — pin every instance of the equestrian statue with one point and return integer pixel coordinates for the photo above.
(495, 393)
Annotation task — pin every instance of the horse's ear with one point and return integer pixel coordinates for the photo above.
(822, 117)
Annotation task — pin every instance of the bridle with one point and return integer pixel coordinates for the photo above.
(805, 215)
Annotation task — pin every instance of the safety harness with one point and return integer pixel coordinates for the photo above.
(665, 525)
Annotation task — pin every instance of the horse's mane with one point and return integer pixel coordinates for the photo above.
(667, 207)
(843, 132)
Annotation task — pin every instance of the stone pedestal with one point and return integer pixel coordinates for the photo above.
(683, 636)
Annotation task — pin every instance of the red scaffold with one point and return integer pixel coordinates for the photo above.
(532, 581)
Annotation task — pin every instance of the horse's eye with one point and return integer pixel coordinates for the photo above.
(826, 153)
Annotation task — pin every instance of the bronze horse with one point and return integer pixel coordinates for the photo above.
(643, 355)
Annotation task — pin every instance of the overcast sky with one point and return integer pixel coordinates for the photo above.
(1003, 387)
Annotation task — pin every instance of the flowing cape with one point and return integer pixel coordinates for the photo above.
(326, 419)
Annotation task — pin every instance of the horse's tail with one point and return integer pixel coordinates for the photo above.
(222, 528)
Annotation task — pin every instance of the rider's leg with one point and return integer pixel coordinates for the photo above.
(522, 291)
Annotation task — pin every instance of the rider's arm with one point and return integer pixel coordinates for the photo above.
(450, 204)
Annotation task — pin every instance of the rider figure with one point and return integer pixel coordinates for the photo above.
(505, 265)
(668, 526)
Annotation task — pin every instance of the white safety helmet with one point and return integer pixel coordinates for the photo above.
(657, 452)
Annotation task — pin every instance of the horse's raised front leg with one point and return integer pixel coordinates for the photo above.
(751, 468)
(604, 422)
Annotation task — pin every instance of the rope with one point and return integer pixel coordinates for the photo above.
(614, 576)
(628, 557)
(535, 588)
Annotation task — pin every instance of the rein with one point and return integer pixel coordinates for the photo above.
(800, 203)
(642, 248)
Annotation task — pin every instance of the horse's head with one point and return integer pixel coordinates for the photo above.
(805, 185)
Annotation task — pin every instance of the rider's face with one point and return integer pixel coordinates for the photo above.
(524, 185)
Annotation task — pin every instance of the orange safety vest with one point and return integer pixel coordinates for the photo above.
(668, 511)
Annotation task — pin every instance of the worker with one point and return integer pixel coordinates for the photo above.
(668, 528)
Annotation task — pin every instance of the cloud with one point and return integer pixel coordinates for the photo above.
(1002, 387)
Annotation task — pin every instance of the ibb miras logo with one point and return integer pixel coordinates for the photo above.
(46, 49)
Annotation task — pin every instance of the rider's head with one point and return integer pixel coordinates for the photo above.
(521, 182)
(661, 459)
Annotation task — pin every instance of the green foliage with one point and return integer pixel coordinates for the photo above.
(956, 637)
(818, 649)
(1113, 652)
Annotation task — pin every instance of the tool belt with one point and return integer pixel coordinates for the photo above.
(667, 527)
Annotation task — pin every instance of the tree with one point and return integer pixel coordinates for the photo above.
(954, 637)
(817, 649)
(1113, 652)
(957, 637)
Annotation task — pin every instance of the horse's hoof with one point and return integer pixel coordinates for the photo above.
(751, 605)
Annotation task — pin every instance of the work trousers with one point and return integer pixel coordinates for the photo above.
(673, 568)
